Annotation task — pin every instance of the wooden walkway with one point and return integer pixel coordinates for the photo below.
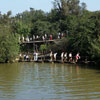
(38, 41)
(46, 61)
(59, 61)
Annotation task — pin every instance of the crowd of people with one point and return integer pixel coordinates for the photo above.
(64, 57)
(43, 37)
(28, 56)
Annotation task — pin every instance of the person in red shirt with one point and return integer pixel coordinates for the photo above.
(50, 37)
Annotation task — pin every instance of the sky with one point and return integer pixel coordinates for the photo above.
(18, 6)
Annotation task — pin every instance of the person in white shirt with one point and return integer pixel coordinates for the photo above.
(65, 56)
(51, 56)
(62, 56)
(70, 57)
(55, 55)
(36, 56)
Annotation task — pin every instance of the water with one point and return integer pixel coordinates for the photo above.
(45, 81)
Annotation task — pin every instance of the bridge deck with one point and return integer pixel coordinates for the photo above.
(37, 41)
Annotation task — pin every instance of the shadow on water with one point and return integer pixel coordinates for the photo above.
(92, 67)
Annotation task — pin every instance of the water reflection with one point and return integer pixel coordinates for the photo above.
(8, 79)
(46, 81)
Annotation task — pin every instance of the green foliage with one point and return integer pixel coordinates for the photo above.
(67, 7)
(43, 48)
(60, 46)
(40, 28)
(95, 51)
(8, 47)
(21, 28)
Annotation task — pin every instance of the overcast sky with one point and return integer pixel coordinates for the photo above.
(18, 6)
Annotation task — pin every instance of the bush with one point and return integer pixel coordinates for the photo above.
(9, 47)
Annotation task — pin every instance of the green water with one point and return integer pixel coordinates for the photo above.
(45, 81)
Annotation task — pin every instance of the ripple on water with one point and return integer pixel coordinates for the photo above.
(33, 81)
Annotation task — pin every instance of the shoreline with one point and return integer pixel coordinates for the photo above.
(86, 63)
(59, 61)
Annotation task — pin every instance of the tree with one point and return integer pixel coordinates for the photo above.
(20, 28)
(68, 7)
(9, 47)
(40, 28)
(43, 48)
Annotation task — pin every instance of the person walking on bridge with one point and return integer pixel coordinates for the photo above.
(50, 37)
(77, 57)
(65, 56)
(55, 56)
(70, 57)
(62, 56)
(51, 56)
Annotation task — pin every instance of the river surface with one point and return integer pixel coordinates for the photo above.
(48, 81)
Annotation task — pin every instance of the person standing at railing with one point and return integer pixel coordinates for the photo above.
(37, 37)
(23, 39)
(27, 57)
(33, 37)
(59, 35)
(51, 56)
(62, 56)
(50, 37)
(77, 57)
(45, 36)
(36, 56)
(55, 56)
(70, 57)
(65, 56)
(24, 57)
